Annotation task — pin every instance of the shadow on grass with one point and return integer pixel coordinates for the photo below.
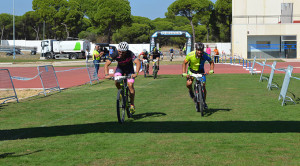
(158, 76)
(5, 155)
(209, 112)
(148, 114)
(2, 106)
(275, 85)
(155, 127)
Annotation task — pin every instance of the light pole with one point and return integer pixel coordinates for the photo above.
(14, 50)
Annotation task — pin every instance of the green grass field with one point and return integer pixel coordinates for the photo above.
(244, 125)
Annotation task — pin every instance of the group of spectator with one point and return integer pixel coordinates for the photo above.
(216, 53)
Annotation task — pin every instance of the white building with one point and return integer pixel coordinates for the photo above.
(266, 28)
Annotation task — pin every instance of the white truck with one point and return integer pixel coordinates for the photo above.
(72, 49)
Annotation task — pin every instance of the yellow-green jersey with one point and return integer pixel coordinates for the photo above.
(96, 53)
(197, 64)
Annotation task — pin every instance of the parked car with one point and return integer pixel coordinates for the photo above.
(11, 52)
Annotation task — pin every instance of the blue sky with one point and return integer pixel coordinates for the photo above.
(146, 8)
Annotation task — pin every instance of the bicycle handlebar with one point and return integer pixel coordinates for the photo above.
(120, 78)
(195, 75)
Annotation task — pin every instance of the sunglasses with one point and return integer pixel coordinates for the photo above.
(122, 52)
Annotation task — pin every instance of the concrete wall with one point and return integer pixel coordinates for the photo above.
(249, 19)
(262, 7)
(240, 34)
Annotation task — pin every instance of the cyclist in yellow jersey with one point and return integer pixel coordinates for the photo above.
(196, 60)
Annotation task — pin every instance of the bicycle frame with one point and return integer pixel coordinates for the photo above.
(124, 86)
(199, 83)
(199, 92)
(123, 98)
(145, 68)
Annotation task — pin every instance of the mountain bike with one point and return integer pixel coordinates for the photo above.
(155, 68)
(171, 56)
(199, 92)
(145, 69)
(123, 103)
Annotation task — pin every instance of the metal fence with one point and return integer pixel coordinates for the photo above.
(7, 89)
(247, 65)
(48, 78)
(90, 66)
(47, 75)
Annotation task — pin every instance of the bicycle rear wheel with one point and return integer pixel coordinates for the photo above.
(154, 71)
(145, 70)
(121, 106)
(127, 104)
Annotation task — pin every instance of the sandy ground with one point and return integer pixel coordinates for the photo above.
(21, 93)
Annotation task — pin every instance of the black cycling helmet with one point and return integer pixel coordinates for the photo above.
(199, 46)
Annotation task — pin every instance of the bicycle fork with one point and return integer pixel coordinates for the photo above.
(198, 87)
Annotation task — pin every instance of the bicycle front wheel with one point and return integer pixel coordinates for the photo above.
(201, 100)
(121, 106)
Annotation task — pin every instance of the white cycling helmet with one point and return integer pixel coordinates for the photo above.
(123, 46)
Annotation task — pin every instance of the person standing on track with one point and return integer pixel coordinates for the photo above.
(216, 55)
(97, 54)
(125, 59)
(208, 50)
(196, 60)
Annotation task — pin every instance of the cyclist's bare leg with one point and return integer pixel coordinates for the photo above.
(118, 85)
(189, 85)
(147, 67)
(131, 92)
(157, 58)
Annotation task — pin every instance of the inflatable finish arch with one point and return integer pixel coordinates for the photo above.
(172, 34)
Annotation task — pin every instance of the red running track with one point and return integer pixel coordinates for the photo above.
(79, 77)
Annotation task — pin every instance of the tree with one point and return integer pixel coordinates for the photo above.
(179, 21)
(136, 33)
(200, 32)
(189, 9)
(73, 21)
(111, 15)
(32, 21)
(5, 19)
(62, 17)
(223, 12)
(163, 24)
